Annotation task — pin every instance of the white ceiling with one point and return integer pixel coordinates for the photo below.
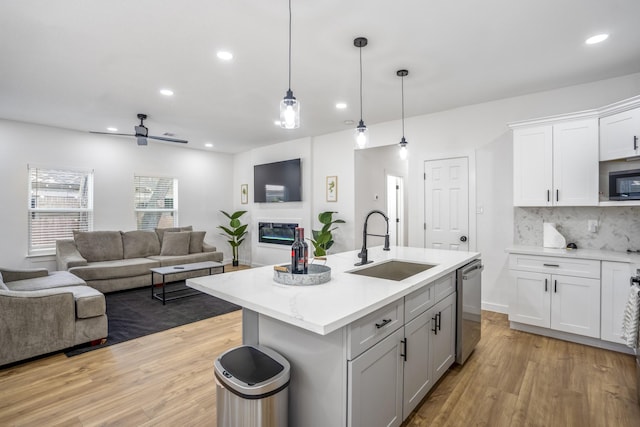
(89, 64)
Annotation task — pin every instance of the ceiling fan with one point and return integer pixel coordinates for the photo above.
(142, 133)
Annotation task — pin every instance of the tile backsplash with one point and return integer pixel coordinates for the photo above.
(618, 226)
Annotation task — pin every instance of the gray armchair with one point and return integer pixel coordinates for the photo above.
(41, 313)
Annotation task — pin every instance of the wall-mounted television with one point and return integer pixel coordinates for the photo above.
(277, 182)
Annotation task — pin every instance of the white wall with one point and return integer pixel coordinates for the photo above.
(203, 180)
(251, 251)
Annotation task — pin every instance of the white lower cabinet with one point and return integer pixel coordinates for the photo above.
(375, 384)
(389, 379)
(615, 292)
(556, 301)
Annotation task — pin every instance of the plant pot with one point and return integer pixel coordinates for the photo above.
(235, 263)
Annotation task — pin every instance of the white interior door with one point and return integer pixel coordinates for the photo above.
(395, 209)
(446, 196)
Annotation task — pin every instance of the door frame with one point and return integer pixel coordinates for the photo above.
(471, 162)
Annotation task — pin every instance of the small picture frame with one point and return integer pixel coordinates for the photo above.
(244, 194)
(332, 189)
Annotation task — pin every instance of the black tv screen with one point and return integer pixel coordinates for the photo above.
(277, 182)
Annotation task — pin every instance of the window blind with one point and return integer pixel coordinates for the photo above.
(60, 201)
(156, 202)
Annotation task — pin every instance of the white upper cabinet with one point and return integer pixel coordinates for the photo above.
(556, 164)
(620, 135)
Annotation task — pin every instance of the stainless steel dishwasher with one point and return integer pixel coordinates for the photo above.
(469, 303)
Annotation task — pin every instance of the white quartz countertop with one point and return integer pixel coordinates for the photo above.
(632, 258)
(345, 298)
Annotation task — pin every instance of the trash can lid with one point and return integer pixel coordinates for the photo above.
(252, 370)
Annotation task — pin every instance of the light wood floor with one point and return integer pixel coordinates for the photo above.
(166, 379)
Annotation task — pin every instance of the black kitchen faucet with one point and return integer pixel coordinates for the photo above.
(363, 255)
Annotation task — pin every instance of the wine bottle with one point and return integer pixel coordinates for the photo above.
(297, 254)
(305, 249)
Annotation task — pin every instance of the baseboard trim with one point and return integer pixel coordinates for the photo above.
(565, 336)
(498, 308)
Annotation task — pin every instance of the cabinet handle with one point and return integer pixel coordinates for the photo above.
(546, 283)
(555, 286)
(435, 324)
(439, 320)
(551, 265)
(548, 196)
(383, 323)
(635, 142)
(404, 353)
(557, 195)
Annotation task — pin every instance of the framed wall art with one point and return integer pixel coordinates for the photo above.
(244, 194)
(332, 189)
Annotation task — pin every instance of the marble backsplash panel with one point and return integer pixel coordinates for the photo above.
(618, 226)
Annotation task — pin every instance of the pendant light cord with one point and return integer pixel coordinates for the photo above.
(289, 44)
(402, 106)
(360, 83)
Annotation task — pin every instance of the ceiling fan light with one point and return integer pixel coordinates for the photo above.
(289, 112)
(362, 135)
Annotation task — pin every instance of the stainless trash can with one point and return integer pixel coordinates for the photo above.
(251, 387)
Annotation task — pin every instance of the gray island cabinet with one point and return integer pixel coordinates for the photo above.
(363, 350)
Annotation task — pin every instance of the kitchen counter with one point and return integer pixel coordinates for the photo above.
(325, 308)
(594, 254)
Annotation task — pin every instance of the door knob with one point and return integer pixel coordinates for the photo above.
(463, 238)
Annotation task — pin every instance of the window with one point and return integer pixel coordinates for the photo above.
(156, 201)
(60, 201)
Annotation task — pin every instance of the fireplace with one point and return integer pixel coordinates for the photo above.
(276, 233)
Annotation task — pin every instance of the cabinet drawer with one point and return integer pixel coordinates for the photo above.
(418, 302)
(445, 286)
(555, 265)
(371, 329)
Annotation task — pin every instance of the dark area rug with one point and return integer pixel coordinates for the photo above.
(133, 314)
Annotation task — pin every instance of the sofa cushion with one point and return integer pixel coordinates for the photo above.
(176, 243)
(140, 244)
(99, 245)
(196, 242)
(166, 261)
(115, 269)
(160, 231)
(2, 285)
(55, 279)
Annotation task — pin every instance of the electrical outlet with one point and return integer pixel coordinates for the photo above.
(592, 225)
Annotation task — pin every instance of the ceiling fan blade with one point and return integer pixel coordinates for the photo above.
(111, 133)
(162, 138)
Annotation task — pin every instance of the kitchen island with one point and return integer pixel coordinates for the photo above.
(335, 334)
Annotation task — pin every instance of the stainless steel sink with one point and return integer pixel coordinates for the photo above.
(392, 270)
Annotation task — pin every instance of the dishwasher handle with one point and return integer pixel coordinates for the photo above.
(475, 269)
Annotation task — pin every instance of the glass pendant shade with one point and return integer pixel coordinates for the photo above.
(362, 135)
(404, 152)
(289, 112)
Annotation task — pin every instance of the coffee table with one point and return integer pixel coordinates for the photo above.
(177, 269)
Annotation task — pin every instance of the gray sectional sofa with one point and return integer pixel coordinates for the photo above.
(114, 260)
(41, 313)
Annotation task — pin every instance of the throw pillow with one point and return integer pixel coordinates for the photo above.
(140, 244)
(175, 243)
(160, 231)
(195, 244)
(99, 245)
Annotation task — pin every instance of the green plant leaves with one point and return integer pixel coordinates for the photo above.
(235, 232)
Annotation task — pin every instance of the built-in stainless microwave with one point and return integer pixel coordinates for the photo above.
(624, 185)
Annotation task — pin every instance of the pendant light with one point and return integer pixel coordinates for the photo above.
(361, 130)
(289, 106)
(403, 142)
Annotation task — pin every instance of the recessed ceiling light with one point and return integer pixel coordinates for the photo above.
(341, 105)
(166, 92)
(349, 122)
(276, 122)
(597, 39)
(224, 55)
(208, 145)
(112, 129)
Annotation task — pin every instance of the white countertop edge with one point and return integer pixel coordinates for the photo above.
(594, 254)
(405, 287)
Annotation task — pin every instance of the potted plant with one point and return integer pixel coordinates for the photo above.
(322, 239)
(235, 232)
